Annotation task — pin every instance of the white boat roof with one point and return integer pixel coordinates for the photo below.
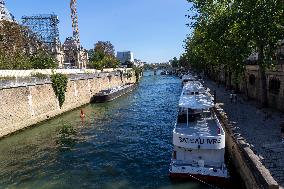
(188, 77)
(193, 86)
(196, 102)
(199, 128)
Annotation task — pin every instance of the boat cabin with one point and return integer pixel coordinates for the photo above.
(187, 78)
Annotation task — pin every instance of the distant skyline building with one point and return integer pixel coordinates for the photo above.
(125, 56)
(4, 13)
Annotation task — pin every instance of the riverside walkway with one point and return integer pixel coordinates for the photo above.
(259, 127)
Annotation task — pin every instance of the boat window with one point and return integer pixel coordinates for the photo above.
(207, 114)
(192, 117)
(182, 118)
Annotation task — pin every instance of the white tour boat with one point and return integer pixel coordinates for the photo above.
(187, 78)
(199, 139)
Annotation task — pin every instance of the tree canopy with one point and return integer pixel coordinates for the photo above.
(21, 49)
(102, 56)
(226, 33)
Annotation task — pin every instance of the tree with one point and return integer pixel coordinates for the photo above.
(21, 49)
(105, 48)
(263, 23)
(175, 62)
(41, 60)
(183, 62)
(227, 32)
(102, 56)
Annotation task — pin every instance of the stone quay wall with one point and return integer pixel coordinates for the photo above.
(248, 165)
(26, 105)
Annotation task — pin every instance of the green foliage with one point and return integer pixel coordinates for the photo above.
(16, 61)
(59, 84)
(105, 62)
(104, 48)
(175, 62)
(21, 49)
(42, 60)
(225, 33)
(103, 56)
(138, 71)
(129, 64)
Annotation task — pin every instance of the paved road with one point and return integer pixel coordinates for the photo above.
(260, 128)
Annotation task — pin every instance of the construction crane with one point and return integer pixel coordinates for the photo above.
(75, 27)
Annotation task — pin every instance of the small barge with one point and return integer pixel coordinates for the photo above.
(113, 93)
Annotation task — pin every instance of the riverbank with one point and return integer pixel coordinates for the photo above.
(257, 128)
(27, 104)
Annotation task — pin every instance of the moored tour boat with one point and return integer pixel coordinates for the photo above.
(187, 78)
(199, 139)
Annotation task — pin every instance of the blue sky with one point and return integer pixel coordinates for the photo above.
(153, 29)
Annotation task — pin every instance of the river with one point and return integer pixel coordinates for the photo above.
(126, 143)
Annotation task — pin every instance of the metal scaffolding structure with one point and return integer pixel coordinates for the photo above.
(4, 13)
(45, 26)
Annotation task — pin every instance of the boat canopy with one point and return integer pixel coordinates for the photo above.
(198, 102)
(193, 87)
(188, 78)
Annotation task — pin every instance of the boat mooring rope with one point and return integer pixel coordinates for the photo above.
(204, 182)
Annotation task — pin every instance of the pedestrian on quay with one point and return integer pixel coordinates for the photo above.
(282, 131)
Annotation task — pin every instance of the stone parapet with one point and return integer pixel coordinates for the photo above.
(252, 172)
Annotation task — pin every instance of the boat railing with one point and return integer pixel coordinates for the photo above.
(196, 163)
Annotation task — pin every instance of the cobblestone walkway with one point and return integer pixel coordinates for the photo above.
(260, 128)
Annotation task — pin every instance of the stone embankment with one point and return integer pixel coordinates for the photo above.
(253, 140)
(26, 104)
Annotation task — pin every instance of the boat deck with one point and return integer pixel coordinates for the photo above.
(199, 128)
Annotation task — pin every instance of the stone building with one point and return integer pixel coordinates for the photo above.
(251, 84)
(74, 58)
(275, 85)
(125, 56)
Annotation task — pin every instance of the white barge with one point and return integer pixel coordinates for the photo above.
(199, 139)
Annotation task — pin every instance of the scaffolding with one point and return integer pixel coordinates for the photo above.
(4, 13)
(45, 26)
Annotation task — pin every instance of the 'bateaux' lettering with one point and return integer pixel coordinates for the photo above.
(200, 140)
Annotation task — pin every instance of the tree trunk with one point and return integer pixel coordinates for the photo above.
(262, 76)
(246, 86)
(229, 80)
